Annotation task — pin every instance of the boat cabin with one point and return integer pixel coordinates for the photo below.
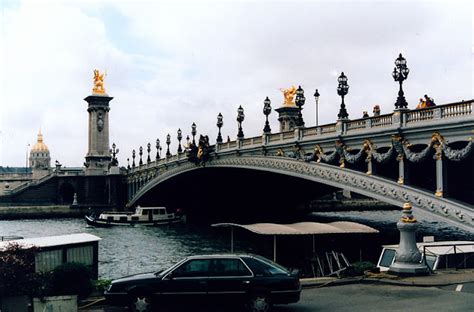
(56, 250)
(140, 214)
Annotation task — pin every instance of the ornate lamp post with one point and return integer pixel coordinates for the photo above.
(158, 149)
(128, 164)
(148, 149)
(180, 136)
(114, 153)
(299, 101)
(140, 152)
(133, 158)
(193, 132)
(342, 90)
(316, 97)
(187, 140)
(400, 73)
(240, 118)
(220, 123)
(168, 142)
(267, 109)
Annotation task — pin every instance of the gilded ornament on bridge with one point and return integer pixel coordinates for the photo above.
(407, 215)
(98, 83)
(289, 94)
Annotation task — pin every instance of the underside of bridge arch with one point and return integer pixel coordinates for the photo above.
(236, 195)
(459, 176)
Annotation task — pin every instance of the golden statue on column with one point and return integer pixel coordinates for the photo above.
(98, 83)
(289, 94)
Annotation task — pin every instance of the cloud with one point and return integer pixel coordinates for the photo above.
(173, 63)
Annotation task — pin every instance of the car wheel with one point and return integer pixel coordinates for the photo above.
(140, 303)
(259, 303)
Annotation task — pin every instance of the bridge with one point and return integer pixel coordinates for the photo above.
(421, 156)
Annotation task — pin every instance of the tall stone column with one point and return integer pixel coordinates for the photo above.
(440, 172)
(98, 154)
(402, 170)
(407, 256)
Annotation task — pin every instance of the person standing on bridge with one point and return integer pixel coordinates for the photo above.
(376, 111)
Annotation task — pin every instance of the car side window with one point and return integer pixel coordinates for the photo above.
(229, 267)
(192, 268)
(261, 267)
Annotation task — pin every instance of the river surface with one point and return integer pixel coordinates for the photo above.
(130, 250)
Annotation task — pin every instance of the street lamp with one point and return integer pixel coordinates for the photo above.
(187, 140)
(220, 123)
(148, 149)
(180, 136)
(342, 90)
(299, 101)
(400, 73)
(240, 118)
(140, 152)
(133, 158)
(193, 132)
(168, 142)
(316, 97)
(158, 149)
(267, 109)
(114, 151)
(26, 158)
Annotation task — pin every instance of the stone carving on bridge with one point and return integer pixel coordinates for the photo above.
(199, 154)
(297, 153)
(280, 153)
(319, 155)
(440, 144)
(289, 94)
(98, 83)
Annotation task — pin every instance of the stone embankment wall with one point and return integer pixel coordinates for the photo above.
(349, 205)
(36, 212)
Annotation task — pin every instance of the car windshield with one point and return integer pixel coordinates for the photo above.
(162, 273)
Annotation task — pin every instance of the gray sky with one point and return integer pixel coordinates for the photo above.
(171, 63)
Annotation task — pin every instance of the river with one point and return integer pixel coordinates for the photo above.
(130, 250)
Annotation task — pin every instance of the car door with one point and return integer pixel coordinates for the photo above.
(187, 283)
(229, 280)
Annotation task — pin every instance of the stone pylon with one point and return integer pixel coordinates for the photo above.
(408, 256)
(98, 154)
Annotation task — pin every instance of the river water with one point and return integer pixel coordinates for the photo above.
(130, 250)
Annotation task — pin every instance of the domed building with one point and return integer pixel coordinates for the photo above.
(39, 155)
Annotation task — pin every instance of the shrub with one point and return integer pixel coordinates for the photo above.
(101, 285)
(71, 279)
(17, 270)
(358, 268)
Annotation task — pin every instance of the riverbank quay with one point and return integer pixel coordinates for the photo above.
(96, 303)
(437, 279)
(345, 204)
(41, 212)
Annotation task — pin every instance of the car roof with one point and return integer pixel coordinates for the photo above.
(221, 255)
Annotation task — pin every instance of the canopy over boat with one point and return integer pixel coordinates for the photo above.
(300, 228)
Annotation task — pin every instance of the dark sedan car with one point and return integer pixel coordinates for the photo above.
(253, 281)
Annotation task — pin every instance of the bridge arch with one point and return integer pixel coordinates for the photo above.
(372, 186)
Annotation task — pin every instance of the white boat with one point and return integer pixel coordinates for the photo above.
(142, 216)
(437, 255)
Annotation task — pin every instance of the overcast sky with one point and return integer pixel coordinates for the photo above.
(173, 63)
